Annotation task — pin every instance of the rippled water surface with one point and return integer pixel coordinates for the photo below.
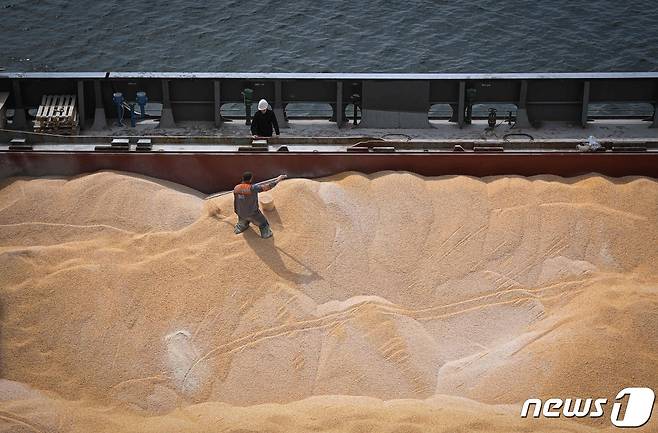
(339, 36)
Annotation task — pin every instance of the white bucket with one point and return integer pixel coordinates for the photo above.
(266, 201)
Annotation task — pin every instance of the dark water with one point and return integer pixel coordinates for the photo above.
(320, 36)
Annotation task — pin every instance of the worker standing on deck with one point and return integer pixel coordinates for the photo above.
(263, 121)
(245, 202)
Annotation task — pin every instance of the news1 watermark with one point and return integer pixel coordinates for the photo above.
(637, 411)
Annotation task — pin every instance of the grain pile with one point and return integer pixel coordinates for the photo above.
(465, 296)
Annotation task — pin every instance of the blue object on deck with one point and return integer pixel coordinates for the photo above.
(117, 98)
(142, 99)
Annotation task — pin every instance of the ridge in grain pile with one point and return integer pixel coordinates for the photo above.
(388, 303)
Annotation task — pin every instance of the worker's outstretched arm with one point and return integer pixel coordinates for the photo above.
(268, 185)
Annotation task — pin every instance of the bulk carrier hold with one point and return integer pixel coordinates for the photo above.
(425, 267)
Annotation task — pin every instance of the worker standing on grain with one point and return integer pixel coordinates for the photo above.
(245, 202)
(263, 121)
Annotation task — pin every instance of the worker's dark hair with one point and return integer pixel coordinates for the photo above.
(247, 176)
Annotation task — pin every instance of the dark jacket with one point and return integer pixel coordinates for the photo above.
(261, 124)
(245, 197)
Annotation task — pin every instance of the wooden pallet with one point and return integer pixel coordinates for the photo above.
(57, 114)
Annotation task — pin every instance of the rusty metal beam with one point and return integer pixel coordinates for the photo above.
(212, 172)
